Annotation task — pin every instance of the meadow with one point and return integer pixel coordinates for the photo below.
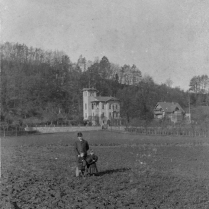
(135, 171)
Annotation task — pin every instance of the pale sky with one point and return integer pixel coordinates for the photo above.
(163, 38)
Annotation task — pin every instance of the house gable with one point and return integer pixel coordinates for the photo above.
(170, 109)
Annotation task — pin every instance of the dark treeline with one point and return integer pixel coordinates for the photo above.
(40, 86)
(199, 88)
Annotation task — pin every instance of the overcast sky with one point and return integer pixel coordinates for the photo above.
(163, 38)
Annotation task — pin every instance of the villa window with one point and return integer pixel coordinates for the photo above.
(109, 106)
(92, 106)
(85, 106)
(102, 105)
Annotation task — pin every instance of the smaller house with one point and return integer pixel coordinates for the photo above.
(170, 110)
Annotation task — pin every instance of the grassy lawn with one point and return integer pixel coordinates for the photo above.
(135, 171)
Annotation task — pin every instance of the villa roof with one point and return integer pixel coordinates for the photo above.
(104, 99)
(169, 106)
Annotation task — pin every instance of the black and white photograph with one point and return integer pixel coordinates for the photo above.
(104, 104)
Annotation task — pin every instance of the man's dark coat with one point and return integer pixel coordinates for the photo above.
(81, 147)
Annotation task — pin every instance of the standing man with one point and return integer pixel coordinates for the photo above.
(81, 148)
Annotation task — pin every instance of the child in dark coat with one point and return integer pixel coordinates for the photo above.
(91, 163)
(81, 164)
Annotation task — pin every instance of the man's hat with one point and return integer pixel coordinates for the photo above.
(79, 134)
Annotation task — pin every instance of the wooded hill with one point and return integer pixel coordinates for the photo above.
(40, 86)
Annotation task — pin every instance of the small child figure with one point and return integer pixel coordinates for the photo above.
(91, 163)
(81, 165)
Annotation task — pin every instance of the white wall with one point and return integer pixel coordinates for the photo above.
(88, 96)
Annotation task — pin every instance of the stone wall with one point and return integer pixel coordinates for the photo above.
(65, 129)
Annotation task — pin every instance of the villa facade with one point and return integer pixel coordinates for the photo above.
(101, 109)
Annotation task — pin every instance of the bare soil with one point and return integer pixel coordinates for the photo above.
(134, 172)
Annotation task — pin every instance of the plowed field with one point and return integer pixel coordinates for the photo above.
(38, 171)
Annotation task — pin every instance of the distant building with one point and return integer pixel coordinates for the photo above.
(99, 109)
(130, 77)
(170, 110)
(83, 63)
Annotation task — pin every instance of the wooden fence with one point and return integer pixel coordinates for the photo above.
(168, 132)
(18, 131)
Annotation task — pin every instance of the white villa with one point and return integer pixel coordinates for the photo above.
(99, 108)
